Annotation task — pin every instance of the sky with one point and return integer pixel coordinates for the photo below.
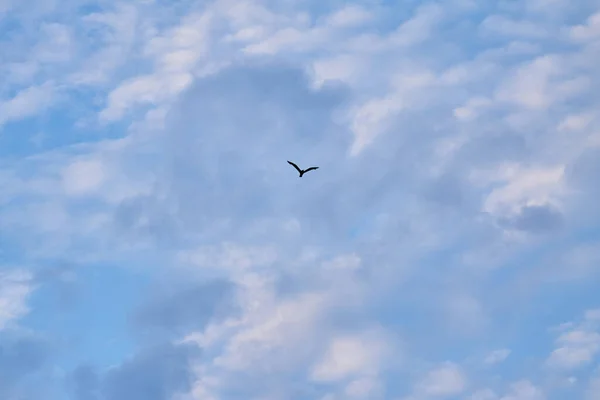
(156, 245)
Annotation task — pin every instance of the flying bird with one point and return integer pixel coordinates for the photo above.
(301, 171)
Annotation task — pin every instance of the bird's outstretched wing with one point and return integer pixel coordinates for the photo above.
(310, 169)
(295, 166)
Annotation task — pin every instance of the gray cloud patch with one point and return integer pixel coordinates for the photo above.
(154, 373)
(84, 383)
(584, 172)
(230, 139)
(184, 307)
(536, 219)
(226, 143)
(582, 178)
(21, 355)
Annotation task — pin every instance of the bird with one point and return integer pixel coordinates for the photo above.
(301, 171)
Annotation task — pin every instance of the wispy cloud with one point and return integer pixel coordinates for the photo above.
(579, 345)
(15, 288)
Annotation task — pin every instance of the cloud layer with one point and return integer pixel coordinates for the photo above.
(156, 245)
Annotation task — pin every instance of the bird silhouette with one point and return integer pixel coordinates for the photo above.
(301, 171)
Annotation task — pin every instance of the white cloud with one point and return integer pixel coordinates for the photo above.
(150, 89)
(230, 257)
(520, 390)
(351, 356)
(175, 55)
(368, 120)
(588, 31)
(524, 390)
(419, 27)
(546, 6)
(497, 356)
(428, 91)
(363, 388)
(446, 380)
(372, 118)
(347, 262)
(15, 288)
(470, 109)
(57, 46)
(592, 315)
(344, 68)
(83, 177)
(348, 16)
(531, 85)
(271, 330)
(578, 346)
(26, 103)
(522, 186)
(288, 39)
(576, 122)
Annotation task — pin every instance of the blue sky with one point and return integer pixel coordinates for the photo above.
(155, 245)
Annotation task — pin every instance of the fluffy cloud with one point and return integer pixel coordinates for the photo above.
(578, 345)
(26, 103)
(497, 356)
(350, 356)
(15, 287)
(445, 380)
(458, 152)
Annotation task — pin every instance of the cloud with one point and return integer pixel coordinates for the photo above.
(582, 171)
(465, 312)
(81, 177)
(177, 310)
(458, 176)
(520, 390)
(350, 356)
(485, 394)
(21, 356)
(536, 219)
(277, 332)
(84, 383)
(15, 288)
(446, 380)
(533, 85)
(578, 345)
(26, 103)
(501, 25)
(523, 186)
(593, 387)
(588, 31)
(157, 373)
(419, 27)
(112, 34)
(230, 104)
(348, 16)
(153, 373)
(497, 356)
(524, 390)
